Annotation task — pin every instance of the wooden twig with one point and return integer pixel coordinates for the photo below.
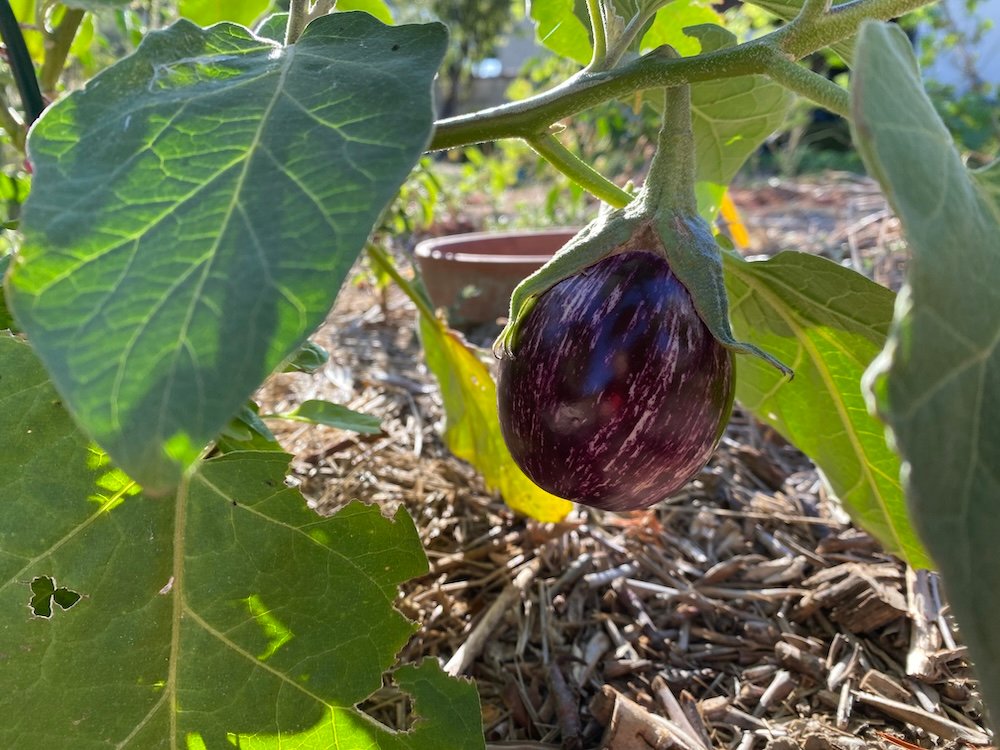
(942, 727)
(474, 644)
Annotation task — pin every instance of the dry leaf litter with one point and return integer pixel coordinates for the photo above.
(746, 612)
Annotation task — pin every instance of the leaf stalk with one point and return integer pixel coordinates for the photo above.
(555, 153)
(599, 32)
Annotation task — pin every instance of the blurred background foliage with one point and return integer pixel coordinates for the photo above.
(493, 57)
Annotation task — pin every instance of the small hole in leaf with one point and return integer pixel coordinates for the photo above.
(395, 47)
(44, 592)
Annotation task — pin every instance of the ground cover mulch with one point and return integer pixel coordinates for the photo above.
(747, 612)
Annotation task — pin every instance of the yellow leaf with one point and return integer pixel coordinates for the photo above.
(472, 430)
(731, 216)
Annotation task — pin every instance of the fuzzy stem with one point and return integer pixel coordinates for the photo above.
(670, 182)
(57, 45)
(811, 85)
(21, 65)
(599, 32)
(528, 117)
(298, 17)
(811, 10)
(805, 35)
(549, 148)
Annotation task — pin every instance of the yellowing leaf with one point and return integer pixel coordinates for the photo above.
(734, 222)
(472, 429)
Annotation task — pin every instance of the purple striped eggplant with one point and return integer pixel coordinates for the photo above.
(616, 393)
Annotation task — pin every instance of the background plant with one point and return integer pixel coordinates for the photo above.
(194, 211)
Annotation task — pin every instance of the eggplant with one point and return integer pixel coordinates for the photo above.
(616, 393)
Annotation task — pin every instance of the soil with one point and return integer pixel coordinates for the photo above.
(746, 612)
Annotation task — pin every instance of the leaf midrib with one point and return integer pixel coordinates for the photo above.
(793, 322)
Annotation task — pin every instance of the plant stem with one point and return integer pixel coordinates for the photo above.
(21, 65)
(599, 32)
(13, 127)
(803, 36)
(812, 9)
(298, 17)
(528, 117)
(549, 148)
(57, 46)
(379, 257)
(671, 178)
(811, 85)
(631, 31)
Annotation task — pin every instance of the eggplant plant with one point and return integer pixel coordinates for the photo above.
(195, 207)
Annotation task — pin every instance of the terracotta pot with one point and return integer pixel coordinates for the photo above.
(472, 275)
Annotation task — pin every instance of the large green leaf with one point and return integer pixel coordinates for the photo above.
(827, 323)
(230, 612)
(938, 382)
(559, 27)
(195, 211)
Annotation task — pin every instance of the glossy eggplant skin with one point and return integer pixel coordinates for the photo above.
(617, 393)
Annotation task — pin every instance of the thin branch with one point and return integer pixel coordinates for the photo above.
(57, 46)
(21, 65)
(599, 31)
(813, 86)
(631, 31)
(549, 148)
(528, 117)
(11, 125)
(379, 257)
(798, 38)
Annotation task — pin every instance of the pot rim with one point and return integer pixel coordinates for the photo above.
(426, 248)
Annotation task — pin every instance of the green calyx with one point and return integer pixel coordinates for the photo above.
(663, 218)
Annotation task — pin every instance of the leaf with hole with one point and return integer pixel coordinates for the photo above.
(229, 612)
(195, 211)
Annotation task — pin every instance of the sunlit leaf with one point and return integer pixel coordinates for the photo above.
(208, 12)
(472, 429)
(334, 415)
(195, 211)
(827, 323)
(938, 382)
(230, 610)
(563, 26)
(377, 8)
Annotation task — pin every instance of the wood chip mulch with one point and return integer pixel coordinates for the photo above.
(747, 612)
